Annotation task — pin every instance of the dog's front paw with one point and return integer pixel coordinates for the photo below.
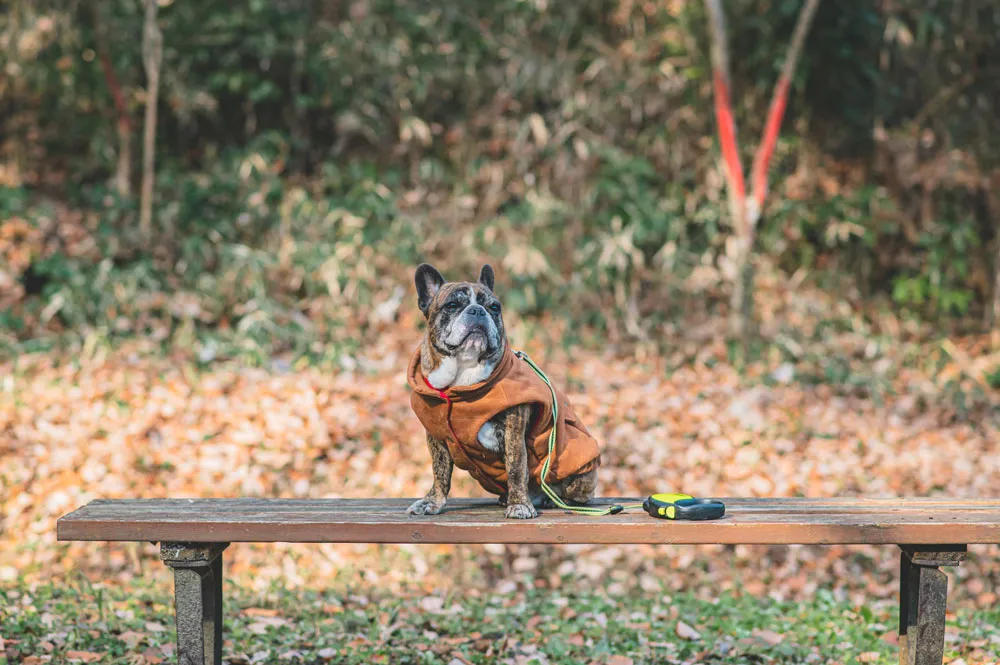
(425, 507)
(521, 511)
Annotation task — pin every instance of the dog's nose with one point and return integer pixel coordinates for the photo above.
(476, 310)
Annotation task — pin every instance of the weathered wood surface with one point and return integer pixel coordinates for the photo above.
(750, 521)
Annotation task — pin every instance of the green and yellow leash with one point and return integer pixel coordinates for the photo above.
(663, 506)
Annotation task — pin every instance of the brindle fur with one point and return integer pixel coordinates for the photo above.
(432, 349)
(523, 495)
(441, 461)
(512, 425)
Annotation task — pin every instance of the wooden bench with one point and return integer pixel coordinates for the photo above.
(193, 533)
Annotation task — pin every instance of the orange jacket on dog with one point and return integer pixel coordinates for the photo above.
(456, 415)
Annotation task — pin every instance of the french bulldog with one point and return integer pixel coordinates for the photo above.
(485, 409)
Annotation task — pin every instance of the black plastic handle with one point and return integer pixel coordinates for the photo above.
(700, 509)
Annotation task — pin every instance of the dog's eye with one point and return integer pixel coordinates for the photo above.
(453, 307)
(495, 308)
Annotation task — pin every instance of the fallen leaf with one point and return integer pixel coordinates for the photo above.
(433, 604)
(155, 627)
(869, 656)
(686, 632)
(769, 637)
(261, 625)
(85, 656)
(619, 660)
(131, 638)
(152, 656)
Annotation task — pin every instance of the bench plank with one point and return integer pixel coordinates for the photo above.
(748, 521)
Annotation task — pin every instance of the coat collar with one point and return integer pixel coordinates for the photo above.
(418, 383)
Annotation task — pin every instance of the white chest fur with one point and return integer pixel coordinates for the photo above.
(458, 371)
(465, 371)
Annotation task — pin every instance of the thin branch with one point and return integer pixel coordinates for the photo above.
(124, 120)
(776, 112)
(110, 75)
(152, 57)
(724, 113)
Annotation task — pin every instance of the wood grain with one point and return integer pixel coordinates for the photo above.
(748, 521)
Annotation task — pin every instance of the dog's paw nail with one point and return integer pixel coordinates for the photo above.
(424, 507)
(521, 511)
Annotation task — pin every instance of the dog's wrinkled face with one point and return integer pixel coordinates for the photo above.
(464, 324)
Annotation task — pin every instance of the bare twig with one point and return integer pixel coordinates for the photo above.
(776, 112)
(152, 57)
(124, 120)
(724, 114)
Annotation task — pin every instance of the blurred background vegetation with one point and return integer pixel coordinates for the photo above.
(310, 152)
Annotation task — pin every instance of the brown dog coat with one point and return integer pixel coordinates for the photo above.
(456, 415)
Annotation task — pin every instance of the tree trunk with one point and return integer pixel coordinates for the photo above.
(745, 211)
(992, 321)
(300, 141)
(124, 167)
(13, 120)
(123, 125)
(152, 56)
(741, 317)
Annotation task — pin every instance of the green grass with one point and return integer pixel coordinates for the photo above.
(118, 624)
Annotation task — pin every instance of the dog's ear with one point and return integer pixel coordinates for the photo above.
(429, 282)
(486, 276)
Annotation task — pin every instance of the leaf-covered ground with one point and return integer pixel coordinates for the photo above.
(864, 417)
(113, 424)
(511, 624)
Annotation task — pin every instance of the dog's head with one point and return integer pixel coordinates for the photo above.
(464, 324)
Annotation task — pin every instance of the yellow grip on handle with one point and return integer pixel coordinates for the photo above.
(671, 498)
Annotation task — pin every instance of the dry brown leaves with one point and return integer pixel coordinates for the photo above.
(126, 426)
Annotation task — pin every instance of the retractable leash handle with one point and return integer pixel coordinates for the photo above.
(683, 507)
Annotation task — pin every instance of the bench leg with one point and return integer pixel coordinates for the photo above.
(198, 600)
(923, 596)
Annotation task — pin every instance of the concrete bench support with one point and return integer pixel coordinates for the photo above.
(198, 600)
(923, 597)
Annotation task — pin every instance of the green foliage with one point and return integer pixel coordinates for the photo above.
(305, 626)
(942, 277)
(310, 153)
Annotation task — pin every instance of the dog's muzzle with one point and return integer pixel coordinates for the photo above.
(474, 320)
